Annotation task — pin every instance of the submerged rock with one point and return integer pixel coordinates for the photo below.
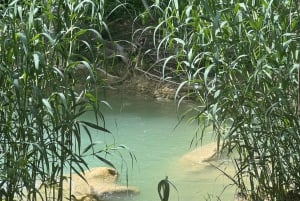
(99, 185)
(201, 154)
(206, 157)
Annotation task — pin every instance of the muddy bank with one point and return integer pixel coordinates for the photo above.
(141, 85)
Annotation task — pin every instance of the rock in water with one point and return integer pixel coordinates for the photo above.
(99, 185)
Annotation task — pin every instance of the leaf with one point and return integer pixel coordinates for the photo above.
(63, 100)
(188, 10)
(163, 189)
(217, 93)
(179, 88)
(36, 59)
(79, 33)
(88, 66)
(176, 7)
(58, 71)
(82, 5)
(86, 149)
(156, 30)
(242, 5)
(165, 64)
(105, 161)
(206, 73)
(106, 104)
(215, 109)
(190, 55)
(91, 97)
(287, 43)
(48, 106)
(22, 37)
(180, 41)
(48, 36)
(20, 12)
(165, 41)
(95, 126)
(96, 32)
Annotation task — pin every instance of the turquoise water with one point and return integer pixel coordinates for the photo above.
(148, 128)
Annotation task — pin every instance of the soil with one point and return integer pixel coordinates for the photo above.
(142, 85)
(137, 84)
(136, 74)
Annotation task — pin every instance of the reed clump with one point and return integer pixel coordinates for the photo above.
(242, 60)
(41, 113)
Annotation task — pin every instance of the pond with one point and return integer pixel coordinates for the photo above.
(148, 128)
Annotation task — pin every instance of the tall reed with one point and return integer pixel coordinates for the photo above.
(241, 59)
(41, 108)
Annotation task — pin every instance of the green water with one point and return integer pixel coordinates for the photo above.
(147, 128)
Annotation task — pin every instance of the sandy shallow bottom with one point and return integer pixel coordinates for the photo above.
(201, 173)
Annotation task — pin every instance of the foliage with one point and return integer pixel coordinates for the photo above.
(41, 107)
(123, 8)
(241, 61)
(163, 189)
(238, 60)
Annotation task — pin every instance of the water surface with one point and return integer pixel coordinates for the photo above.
(148, 128)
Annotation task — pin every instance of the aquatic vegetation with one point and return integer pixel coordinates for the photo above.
(163, 189)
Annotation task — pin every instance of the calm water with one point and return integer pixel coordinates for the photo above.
(147, 128)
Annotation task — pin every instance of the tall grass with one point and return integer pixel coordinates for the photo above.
(41, 108)
(241, 59)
